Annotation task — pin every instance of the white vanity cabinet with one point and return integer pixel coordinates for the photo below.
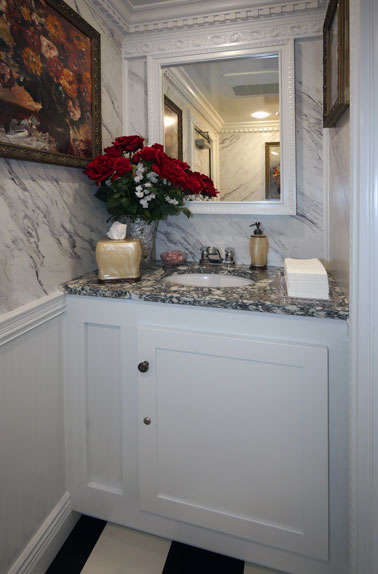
(233, 439)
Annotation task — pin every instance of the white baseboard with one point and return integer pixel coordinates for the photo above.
(45, 544)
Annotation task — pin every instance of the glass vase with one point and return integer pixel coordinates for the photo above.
(145, 231)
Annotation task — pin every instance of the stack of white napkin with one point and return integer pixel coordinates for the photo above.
(306, 278)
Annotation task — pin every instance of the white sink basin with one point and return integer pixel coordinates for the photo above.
(207, 280)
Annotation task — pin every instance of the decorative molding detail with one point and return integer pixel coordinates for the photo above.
(122, 19)
(20, 321)
(226, 36)
(257, 14)
(44, 537)
(250, 127)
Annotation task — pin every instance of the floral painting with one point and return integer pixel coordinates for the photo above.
(49, 83)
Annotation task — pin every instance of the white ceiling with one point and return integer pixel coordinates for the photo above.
(215, 81)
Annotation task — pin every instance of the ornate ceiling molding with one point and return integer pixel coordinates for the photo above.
(251, 127)
(288, 8)
(125, 19)
(199, 41)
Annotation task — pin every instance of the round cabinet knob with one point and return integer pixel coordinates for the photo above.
(147, 421)
(143, 367)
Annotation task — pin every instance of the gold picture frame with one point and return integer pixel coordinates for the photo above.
(50, 85)
(335, 62)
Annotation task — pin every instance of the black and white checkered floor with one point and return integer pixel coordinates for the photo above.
(98, 547)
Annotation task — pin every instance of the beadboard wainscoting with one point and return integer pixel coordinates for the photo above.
(36, 514)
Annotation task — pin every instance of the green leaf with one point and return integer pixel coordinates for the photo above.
(187, 212)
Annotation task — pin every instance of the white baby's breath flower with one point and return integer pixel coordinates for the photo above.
(138, 178)
(139, 188)
(171, 200)
(148, 184)
(139, 194)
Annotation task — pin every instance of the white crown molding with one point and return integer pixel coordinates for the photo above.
(189, 16)
(232, 37)
(250, 127)
(181, 82)
(127, 20)
(16, 323)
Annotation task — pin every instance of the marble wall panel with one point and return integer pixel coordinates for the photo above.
(49, 219)
(201, 161)
(339, 201)
(137, 99)
(242, 165)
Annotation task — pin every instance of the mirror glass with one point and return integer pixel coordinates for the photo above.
(230, 115)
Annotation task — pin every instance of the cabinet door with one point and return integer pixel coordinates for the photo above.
(238, 436)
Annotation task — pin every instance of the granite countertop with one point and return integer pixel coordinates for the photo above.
(267, 294)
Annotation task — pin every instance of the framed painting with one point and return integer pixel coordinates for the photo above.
(335, 62)
(50, 84)
(272, 170)
(172, 129)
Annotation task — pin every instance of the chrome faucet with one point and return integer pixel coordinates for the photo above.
(211, 255)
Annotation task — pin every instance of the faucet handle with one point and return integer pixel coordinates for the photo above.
(229, 255)
(204, 254)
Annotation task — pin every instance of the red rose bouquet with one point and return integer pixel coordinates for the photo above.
(144, 182)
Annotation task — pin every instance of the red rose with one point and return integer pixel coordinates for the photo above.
(147, 153)
(182, 164)
(169, 168)
(100, 168)
(113, 150)
(129, 143)
(193, 184)
(207, 185)
(122, 165)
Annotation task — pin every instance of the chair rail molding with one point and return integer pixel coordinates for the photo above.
(24, 319)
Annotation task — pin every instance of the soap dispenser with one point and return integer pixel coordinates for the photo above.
(258, 247)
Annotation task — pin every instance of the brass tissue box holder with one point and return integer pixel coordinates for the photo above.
(118, 260)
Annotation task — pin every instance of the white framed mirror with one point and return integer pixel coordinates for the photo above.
(250, 179)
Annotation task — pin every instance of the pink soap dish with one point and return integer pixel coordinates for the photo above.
(173, 257)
